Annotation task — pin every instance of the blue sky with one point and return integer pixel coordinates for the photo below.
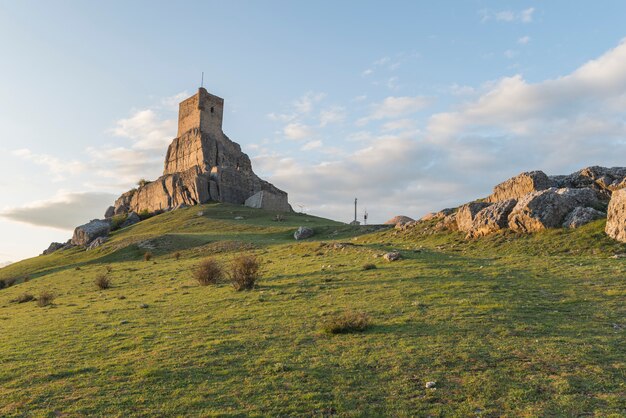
(411, 106)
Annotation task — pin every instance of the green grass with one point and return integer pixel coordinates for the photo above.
(507, 325)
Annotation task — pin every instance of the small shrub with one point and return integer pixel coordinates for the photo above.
(208, 272)
(347, 322)
(45, 298)
(143, 182)
(103, 281)
(2, 284)
(245, 272)
(145, 214)
(177, 255)
(77, 268)
(369, 266)
(26, 279)
(10, 282)
(147, 256)
(117, 221)
(108, 269)
(23, 298)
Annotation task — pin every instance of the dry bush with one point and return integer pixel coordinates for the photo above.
(369, 266)
(45, 298)
(346, 322)
(177, 255)
(9, 282)
(23, 298)
(208, 272)
(147, 256)
(245, 272)
(108, 269)
(103, 281)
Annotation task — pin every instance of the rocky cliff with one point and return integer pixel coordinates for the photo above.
(202, 164)
(533, 201)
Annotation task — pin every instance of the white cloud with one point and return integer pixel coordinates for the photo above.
(312, 145)
(146, 130)
(56, 166)
(333, 114)
(399, 125)
(510, 53)
(298, 131)
(523, 16)
(305, 103)
(63, 211)
(395, 107)
(524, 40)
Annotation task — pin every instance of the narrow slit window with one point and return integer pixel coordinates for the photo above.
(212, 109)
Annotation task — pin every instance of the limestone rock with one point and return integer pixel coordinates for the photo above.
(519, 186)
(399, 220)
(122, 203)
(55, 246)
(602, 179)
(585, 197)
(491, 218)
(84, 234)
(131, 219)
(110, 212)
(581, 216)
(466, 214)
(540, 210)
(96, 243)
(616, 216)
(392, 256)
(303, 233)
(268, 201)
(448, 223)
(437, 215)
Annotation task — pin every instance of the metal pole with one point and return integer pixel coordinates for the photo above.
(355, 210)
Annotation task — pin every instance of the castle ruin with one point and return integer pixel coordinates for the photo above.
(202, 164)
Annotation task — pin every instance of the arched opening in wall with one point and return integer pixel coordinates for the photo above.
(212, 109)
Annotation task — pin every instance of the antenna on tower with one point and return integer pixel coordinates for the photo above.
(202, 80)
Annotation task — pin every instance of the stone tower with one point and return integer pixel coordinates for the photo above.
(203, 164)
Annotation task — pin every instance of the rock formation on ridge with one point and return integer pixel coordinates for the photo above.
(202, 164)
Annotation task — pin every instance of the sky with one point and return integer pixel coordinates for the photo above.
(411, 106)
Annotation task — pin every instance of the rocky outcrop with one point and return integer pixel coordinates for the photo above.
(539, 210)
(55, 246)
(202, 164)
(96, 243)
(491, 218)
(85, 234)
(466, 214)
(131, 219)
(437, 215)
(303, 233)
(399, 220)
(602, 179)
(616, 216)
(268, 201)
(581, 216)
(519, 186)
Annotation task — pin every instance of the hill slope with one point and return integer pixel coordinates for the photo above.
(507, 325)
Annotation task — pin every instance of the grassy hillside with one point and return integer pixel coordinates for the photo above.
(506, 326)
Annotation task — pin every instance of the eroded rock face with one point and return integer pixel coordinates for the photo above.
(85, 234)
(540, 210)
(492, 218)
(268, 201)
(399, 220)
(519, 186)
(602, 179)
(303, 233)
(202, 164)
(466, 214)
(581, 216)
(616, 216)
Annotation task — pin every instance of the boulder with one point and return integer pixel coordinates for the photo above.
(131, 219)
(585, 197)
(110, 212)
(448, 223)
(602, 179)
(392, 256)
(616, 216)
(581, 216)
(96, 243)
(491, 218)
(55, 246)
(519, 186)
(268, 201)
(466, 214)
(84, 234)
(540, 210)
(437, 215)
(399, 220)
(303, 233)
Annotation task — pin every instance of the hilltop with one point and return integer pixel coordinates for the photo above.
(510, 324)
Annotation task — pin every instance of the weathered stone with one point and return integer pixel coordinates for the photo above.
(55, 246)
(540, 210)
(585, 197)
(466, 214)
(437, 215)
(268, 201)
(392, 256)
(603, 180)
(492, 218)
(110, 212)
(581, 216)
(202, 164)
(448, 223)
(131, 219)
(519, 186)
(96, 243)
(303, 233)
(84, 234)
(399, 220)
(616, 216)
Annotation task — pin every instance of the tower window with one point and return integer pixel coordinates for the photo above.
(212, 109)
